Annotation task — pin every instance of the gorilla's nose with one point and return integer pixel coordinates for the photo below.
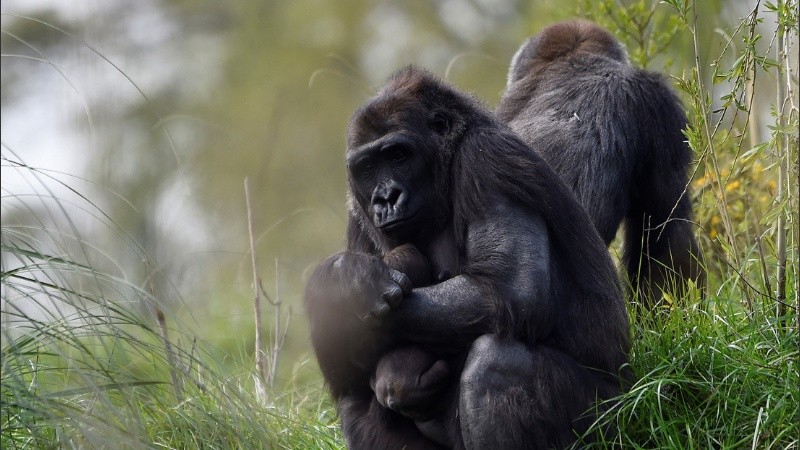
(387, 195)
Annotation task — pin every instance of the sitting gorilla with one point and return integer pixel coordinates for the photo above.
(528, 299)
(614, 134)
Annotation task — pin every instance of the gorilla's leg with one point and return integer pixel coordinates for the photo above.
(660, 252)
(516, 397)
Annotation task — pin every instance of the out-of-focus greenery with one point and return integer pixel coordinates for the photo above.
(178, 101)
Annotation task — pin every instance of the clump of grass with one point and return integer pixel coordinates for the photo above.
(711, 376)
(85, 365)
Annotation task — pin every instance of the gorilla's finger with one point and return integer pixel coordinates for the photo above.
(380, 311)
(393, 295)
(402, 280)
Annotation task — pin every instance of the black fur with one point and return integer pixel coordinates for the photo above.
(533, 306)
(614, 135)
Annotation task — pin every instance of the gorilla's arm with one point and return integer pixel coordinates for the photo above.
(506, 278)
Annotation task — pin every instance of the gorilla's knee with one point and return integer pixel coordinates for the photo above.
(478, 359)
(495, 363)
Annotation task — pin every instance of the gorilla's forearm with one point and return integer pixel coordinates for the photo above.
(448, 314)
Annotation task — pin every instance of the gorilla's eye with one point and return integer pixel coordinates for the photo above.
(363, 167)
(438, 123)
(396, 153)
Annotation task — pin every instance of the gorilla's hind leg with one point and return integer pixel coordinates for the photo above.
(516, 397)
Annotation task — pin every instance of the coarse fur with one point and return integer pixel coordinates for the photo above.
(533, 305)
(614, 134)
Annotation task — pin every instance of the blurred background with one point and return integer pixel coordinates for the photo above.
(157, 111)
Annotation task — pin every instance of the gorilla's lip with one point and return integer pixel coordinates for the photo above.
(389, 226)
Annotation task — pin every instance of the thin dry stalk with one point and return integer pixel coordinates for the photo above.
(762, 258)
(280, 331)
(173, 369)
(782, 150)
(162, 326)
(273, 367)
(261, 368)
(752, 117)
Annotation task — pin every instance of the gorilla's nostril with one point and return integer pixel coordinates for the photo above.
(393, 196)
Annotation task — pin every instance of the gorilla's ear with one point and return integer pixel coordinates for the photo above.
(439, 123)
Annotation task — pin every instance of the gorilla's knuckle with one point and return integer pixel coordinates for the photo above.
(393, 295)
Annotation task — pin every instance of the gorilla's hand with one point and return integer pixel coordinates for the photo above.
(364, 286)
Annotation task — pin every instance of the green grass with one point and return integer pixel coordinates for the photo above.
(711, 376)
(85, 365)
(92, 374)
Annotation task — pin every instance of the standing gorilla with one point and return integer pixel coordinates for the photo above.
(614, 135)
(531, 306)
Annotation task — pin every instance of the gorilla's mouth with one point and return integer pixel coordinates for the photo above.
(397, 223)
(401, 219)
